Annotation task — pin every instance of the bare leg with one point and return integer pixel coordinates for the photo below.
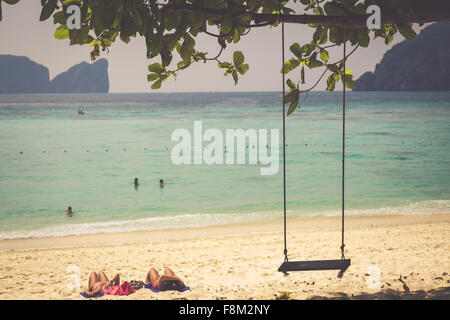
(116, 280)
(169, 272)
(152, 276)
(103, 277)
(166, 281)
(93, 279)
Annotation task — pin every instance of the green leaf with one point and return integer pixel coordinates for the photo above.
(291, 84)
(166, 57)
(178, 48)
(244, 19)
(238, 58)
(337, 77)
(318, 11)
(286, 10)
(291, 96)
(349, 83)
(336, 35)
(236, 36)
(128, 28)
(306, 49)
(317, 34)
(80, 36)
(136, 15)
(293, 106)
(223, 64)
(172, 20)
(333, 67)
(187, 48)
(157, 84)
(227, 24)
(156, 68)
(324, 36)
(314, 64)
(152, 77)
(363, 38)
(331, 82)
(332, 10)
(324, 55)
(183, 64)
(296, 50)
(407, 31)
(235, 76)
(48, 9)
(172, 41)
(62, 32)
(155, 46)
(290, 65)
(196, 20)
(59, 17)
(388, 39)
(242, 68)
(270, 6)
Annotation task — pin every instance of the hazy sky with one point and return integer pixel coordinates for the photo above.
(22, 34)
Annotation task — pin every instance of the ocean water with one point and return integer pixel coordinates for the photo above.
(397, 160)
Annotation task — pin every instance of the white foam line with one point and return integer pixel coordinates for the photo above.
(193, 220)
(155, 223)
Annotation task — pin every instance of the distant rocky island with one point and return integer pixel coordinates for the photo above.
(420, 64)
(22, 75)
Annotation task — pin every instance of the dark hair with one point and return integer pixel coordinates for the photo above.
(69, 208)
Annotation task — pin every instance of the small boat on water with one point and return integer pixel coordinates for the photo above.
(80, 111)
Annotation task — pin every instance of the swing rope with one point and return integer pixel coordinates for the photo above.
(343, 152)
(284, 144)
(284, 140)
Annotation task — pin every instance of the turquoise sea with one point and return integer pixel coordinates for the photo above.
(398, 160)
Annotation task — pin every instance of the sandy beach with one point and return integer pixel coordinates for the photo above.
(393, 257)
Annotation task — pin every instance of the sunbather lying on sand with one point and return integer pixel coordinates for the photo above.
(99, 283)
(168, 281)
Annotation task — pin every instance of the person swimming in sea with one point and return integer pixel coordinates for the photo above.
(69, 212)
(161, 183)
(136, 183)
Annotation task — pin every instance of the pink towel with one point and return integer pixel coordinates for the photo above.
(122, 290)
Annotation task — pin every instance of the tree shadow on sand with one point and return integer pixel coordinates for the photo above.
(442, 293)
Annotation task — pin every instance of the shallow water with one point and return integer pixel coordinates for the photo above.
(398, 160)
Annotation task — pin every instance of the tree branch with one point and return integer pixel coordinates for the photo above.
(411, 11)
(326, 70)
